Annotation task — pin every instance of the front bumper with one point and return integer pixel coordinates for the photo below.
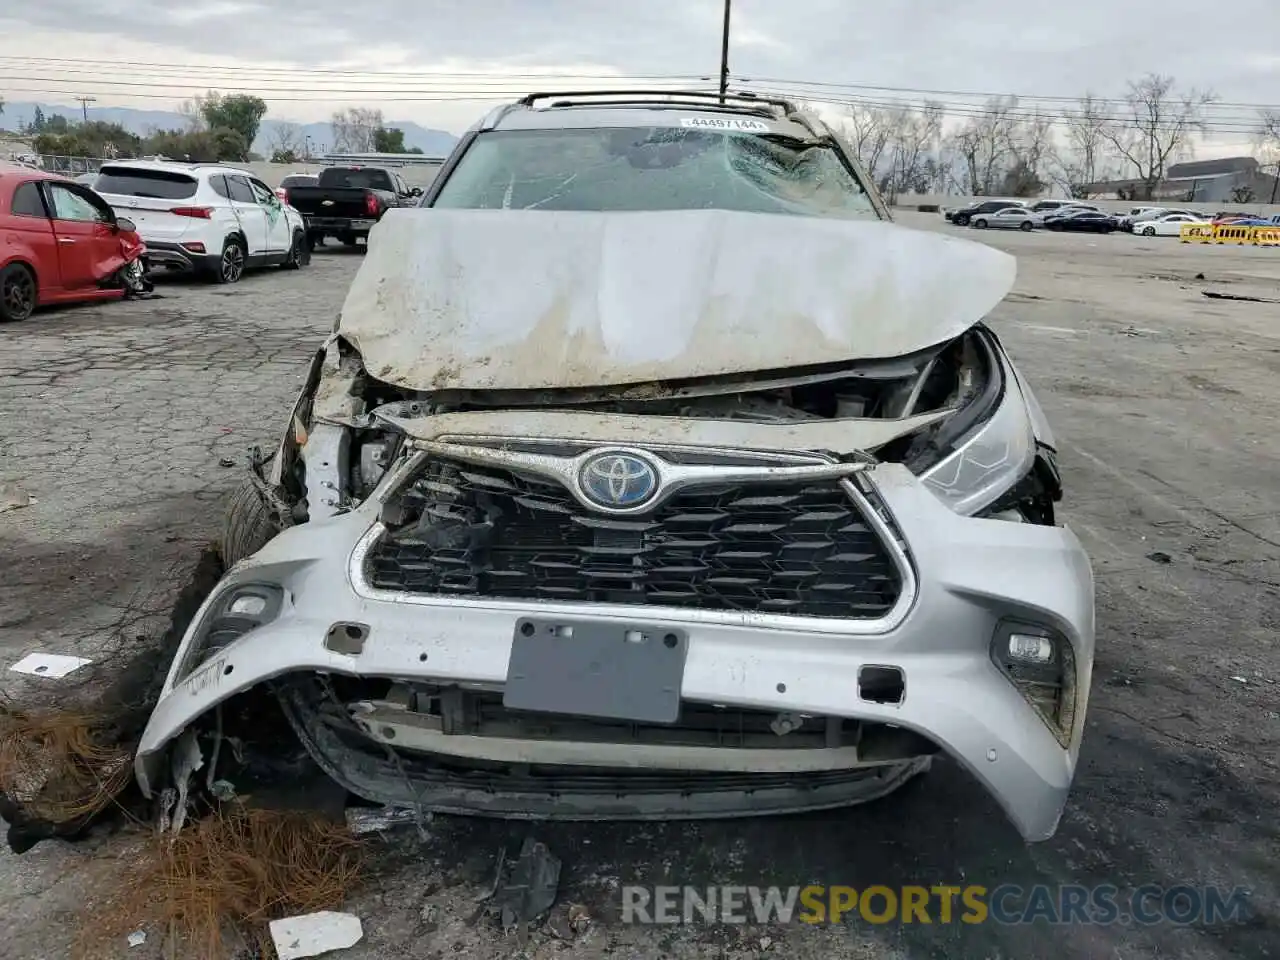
(969, 575)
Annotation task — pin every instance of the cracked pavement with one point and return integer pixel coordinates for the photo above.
(117, 418)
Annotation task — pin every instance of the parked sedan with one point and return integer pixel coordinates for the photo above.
(1082, 221)
(1010, 218)
(59, 242)
(1164, 225)
(962, 216)
(1038, 217)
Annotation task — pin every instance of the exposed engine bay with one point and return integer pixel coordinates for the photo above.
(345, 432)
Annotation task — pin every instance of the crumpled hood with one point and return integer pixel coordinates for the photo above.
(527, 299)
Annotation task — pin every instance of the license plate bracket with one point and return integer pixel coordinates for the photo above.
(608, 670)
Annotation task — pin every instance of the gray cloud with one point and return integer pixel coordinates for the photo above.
(983, 45)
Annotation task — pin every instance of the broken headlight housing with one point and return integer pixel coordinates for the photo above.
(990, 461)
(1041, 665)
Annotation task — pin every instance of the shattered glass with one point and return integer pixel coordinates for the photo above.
(653, 168)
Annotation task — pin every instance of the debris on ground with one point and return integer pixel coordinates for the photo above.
(226, 462)
(1240, 679)
(13, 497)
(1160, 556)
(137, 938)
(65, 752)
(365, 820)
(568, 921)
(57, 771)
(1213, 295)
(527, 890)
(313, 934)
(216, 886)
(55, 665)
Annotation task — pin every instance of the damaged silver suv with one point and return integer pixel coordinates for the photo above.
(651, 472)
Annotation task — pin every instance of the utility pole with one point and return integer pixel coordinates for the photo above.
(84, 106)
(724, 52)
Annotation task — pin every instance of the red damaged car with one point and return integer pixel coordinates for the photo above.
(61, 242)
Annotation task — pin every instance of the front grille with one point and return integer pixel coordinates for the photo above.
(800, 549)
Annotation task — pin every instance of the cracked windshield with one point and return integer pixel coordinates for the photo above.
(653, 168)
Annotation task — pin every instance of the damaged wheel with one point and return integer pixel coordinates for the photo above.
(231, 264)
(17, 292)
(299, 252)
(248, 524)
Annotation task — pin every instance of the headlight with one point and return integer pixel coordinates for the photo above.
(990, 461)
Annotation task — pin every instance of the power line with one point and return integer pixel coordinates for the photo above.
(347, 72)
(458, 89)
(496, 76)
(1240, 126)
(926, 91)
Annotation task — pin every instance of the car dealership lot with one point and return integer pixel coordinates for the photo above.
(119, 419)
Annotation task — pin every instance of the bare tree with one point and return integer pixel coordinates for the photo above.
(1157, 128)
(1031, 146)
(192, 112)
(354, 129)
(286, 137)
(914, 137)
(1268, 142)
(869, 130)
(985, 146)
(1086, 161)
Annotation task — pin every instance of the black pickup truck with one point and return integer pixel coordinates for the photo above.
(347, 201)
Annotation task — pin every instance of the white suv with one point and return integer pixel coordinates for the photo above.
(206, 217)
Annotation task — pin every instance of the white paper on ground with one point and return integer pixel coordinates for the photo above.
(49, 664)
(312, 934)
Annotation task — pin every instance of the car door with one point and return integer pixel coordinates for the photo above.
(30, 222)
(84, 227)
(279, 233)
(249, 215)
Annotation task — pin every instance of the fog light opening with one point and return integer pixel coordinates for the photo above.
(1040, 663)
(883, 685)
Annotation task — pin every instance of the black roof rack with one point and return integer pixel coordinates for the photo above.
(701, 98)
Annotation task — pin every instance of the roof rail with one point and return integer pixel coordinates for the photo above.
(703, 98)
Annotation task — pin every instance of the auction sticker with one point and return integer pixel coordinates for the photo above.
(741, 124)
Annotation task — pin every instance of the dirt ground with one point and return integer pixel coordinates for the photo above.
(128, 423)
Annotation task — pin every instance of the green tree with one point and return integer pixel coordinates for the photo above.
(57, 124)
(239, 113)
(284, 156)
(37, 121)
(197, 146)
(62, 145)
(108, 139)
(388, 140)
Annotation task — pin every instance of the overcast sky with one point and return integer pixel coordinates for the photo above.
(1006, 46)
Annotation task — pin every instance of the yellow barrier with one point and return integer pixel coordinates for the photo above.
(1228, 233)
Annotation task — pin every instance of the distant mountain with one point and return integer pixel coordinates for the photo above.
(18, 114)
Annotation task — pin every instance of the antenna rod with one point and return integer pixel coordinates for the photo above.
(724, 52)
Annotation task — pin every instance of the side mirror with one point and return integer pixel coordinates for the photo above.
(125, 225)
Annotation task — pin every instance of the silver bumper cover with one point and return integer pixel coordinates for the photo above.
(968, 576)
